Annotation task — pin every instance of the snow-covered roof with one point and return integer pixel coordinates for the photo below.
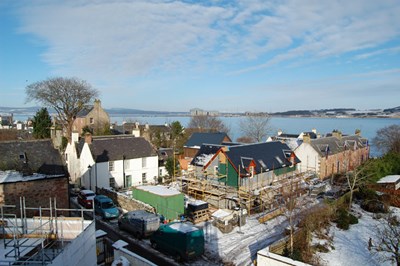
(183, 227)
(220, 213)
(11, 176)
(197, 202)
(389, 179)
(160, 190)
(203, 159)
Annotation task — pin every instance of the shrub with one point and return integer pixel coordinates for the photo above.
(321, 248)
(345, 219)
(353, 219)
(374, 206)
(365, 193)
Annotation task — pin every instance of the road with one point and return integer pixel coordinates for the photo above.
(139, 247)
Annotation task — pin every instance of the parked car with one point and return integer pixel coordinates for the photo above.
(140, 223)
(104, 206)
(182, 240)
(85, 198)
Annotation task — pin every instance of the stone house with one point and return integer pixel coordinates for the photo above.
(94, 117)
(158, 135)
(32, 169)
(332, 155)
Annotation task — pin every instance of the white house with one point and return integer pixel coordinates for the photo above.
(71, 156)
(117, 161)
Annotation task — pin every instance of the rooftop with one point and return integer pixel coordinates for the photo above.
(389, 179)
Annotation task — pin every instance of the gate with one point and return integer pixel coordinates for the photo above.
(104, 250)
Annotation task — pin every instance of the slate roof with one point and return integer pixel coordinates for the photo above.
(311, 134)
(265, 155)
(85, 111)
(114, 148)
(33, 156)
(284, 135)
(199, 138)
(333, 145)
(126, 128)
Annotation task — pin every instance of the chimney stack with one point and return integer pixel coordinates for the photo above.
(306, 138)
(88, 138)
(337, 134)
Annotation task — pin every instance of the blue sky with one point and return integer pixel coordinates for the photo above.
(232, 56)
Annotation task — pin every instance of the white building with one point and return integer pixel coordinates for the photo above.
(46, 239)
(117, 161)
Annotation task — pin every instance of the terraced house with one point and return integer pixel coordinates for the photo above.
(334, 154)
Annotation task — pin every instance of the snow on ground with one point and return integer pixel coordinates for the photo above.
(351, 246)
(241, 245)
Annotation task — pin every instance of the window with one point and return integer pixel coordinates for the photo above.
(144, 162)
(144, 178)
(91, 120)
(160, 172)
(112, 182)
(111, 166)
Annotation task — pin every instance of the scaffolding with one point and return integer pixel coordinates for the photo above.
(256, 197)
(209, 190)
(41, 238)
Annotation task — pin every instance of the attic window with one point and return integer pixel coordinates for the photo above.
(91, 120)
(287, 153)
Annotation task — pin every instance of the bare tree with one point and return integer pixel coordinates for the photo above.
(387, 139)
(353, 179)
(67, 96)
(292, 207)
(205, 123)
(387, 239)
(255, 127)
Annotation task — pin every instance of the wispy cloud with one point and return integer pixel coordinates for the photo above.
(389, 51)
(126, 39)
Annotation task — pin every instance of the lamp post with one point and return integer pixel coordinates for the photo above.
(90, 176)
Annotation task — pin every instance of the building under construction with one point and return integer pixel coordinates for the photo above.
(257, 177)
(49, 238)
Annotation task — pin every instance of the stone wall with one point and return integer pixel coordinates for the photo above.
(37, 194)
(124, 201)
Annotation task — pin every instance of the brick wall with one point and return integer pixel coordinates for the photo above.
(37, 194)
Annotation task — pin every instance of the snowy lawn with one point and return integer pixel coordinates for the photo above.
(351, 246)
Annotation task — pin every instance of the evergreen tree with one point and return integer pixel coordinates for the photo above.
(41, 124)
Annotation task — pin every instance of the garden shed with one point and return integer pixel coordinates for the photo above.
(167, 201)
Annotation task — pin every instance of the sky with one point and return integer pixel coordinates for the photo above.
(228, 56)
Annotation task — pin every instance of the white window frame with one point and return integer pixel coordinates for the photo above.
(111, 166)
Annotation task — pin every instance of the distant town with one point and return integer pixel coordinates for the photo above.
(334, 112)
